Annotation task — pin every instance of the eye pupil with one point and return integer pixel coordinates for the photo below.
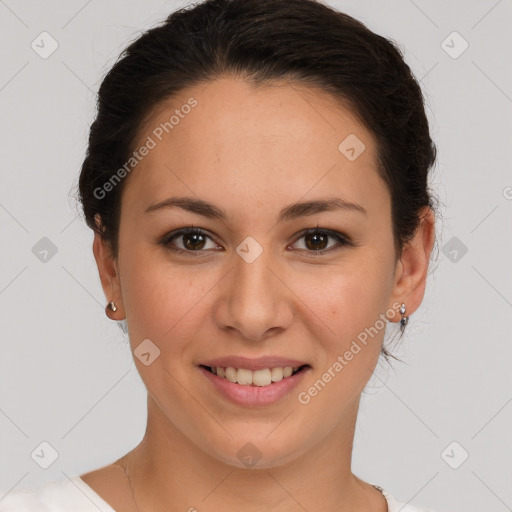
(196, 237)
(317, 237)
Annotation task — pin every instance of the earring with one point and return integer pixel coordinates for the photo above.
(110, 306)
(404, 320)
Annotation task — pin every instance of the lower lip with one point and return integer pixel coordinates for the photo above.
(253, 396)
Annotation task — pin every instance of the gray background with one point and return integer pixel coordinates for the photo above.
(66, 373)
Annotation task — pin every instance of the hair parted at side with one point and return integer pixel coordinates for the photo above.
(264, 41)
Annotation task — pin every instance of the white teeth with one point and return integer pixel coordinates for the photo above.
(244, 377)
(258, 377)
(231, 374)
(276, 374)
(261, 377)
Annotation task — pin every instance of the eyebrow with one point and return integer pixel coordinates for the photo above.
(290, 212)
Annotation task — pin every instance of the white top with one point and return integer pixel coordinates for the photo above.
(74, 495)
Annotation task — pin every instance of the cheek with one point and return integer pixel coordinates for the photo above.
(351, 302)
(352, 306)
(161, 298)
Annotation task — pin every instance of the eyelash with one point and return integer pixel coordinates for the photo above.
(342, 239)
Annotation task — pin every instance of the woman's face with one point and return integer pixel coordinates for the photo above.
(251, 284)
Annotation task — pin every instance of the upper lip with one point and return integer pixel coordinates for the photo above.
(259, 363)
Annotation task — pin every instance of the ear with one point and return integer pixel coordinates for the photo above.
(412, 267)
(109, 273)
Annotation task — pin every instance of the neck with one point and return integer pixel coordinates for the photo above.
(168, 472)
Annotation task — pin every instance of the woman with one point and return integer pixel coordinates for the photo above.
(257, 183)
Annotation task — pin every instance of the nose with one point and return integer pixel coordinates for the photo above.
(254, 301)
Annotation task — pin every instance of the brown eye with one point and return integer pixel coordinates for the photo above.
(195, 240)
(192, 240)
(317, 240)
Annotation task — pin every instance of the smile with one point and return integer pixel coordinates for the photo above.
(258, 388)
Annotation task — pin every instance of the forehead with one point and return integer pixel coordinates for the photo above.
(229, 142)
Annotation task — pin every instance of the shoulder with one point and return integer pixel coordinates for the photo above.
(56, 496)
(395, 505)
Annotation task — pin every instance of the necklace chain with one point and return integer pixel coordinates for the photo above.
(118, 463)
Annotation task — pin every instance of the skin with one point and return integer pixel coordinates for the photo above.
(251, 152)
